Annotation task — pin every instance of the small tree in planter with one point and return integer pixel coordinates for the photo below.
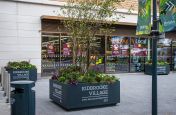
(22, 71)
(163, 68)
(77, 87)
(84, 20)
(73, 89)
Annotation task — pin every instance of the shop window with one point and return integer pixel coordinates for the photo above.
(50, 54)
(97, 53)
(117, 54)
(164, 50)
(138, 53)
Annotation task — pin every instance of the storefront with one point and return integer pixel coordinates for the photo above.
(121, 52)
(127, 54)
(30, 33)
(36, 35)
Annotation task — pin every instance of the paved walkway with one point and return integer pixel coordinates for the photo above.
(4, 107)
(135, 98)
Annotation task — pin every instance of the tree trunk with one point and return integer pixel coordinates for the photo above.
(74, 51)
(88, 55)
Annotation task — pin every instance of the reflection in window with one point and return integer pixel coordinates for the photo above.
(117, 54)
(139, 47)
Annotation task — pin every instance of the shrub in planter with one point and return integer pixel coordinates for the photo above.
(160, 62)
(22, 71)
(73, 89)
(163, 67)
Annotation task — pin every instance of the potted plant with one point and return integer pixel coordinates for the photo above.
(22, 71)
(73, 89)
(163, 67)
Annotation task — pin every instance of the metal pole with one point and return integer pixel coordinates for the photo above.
(60, 53)
(171, 58)
(129, 45)
(105, 59)
(155, 35)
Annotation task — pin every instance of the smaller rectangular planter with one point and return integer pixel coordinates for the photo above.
(161, 69)
(23, 74)
(84, 95)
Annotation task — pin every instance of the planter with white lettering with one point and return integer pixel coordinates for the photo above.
(161, 69)
(83, 95)
(23, 74)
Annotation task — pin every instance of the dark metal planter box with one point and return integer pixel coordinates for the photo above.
(23, 74)
(161, 69)
(84, 95)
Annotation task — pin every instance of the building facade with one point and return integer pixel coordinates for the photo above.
(27, 26)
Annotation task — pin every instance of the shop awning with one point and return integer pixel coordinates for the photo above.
(45, 17)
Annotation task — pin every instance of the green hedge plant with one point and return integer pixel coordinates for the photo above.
(73, 75)
(20, 65)
(159, 62)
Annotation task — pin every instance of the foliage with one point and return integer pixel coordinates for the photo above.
(72, 75)
(85, 19)
(70, 69)
(20, 65)
(160, 62)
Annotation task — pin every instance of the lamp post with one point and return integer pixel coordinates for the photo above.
(155, 36)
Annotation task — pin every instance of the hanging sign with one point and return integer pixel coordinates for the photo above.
(167, 15)
(116, 42)
(144, 17)
(50, 48)
(66, 50)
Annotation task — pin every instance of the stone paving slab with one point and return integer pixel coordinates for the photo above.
(4, 107)
(135, 98)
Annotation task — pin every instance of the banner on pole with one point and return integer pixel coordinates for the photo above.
(167, 15)
(144, 17)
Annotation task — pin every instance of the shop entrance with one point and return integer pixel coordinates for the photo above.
(56, 53)
(117, 54)
(139, 53)
(50, 50)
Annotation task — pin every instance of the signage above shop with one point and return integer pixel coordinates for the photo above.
(140, 41)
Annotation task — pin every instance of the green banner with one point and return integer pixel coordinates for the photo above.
(144, 17)
(167, 15)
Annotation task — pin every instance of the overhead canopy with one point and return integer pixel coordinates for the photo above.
(123, 28)
(64, 18)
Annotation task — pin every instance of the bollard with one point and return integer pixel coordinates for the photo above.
(2, 78)
(5, 83)
(8, 89)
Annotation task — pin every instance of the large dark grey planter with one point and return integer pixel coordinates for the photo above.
(84, 95)
(23, 74)
(161, 69)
